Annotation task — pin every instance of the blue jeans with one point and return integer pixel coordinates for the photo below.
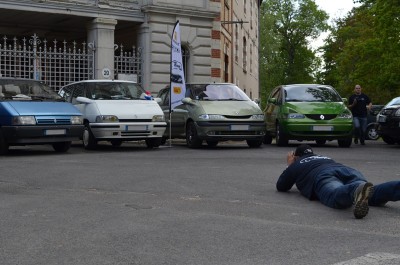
(360, 127)
(335, 188)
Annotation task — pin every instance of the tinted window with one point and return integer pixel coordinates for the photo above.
(311, 94)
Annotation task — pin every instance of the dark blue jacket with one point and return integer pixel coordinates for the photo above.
(303, 173)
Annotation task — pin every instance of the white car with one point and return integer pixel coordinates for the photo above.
(116, 111)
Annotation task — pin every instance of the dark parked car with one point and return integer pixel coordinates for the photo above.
(389, 122)
(372, 133)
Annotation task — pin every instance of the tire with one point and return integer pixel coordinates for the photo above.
(89, 142)
(388, 140)
(192, 139)
(153, 142)
(345, 142)
(320, 142)
(372, 133)
(116, 142)
(163, 140)
(254, 143)
(267, 139)
(212, 143)
(281, 139)
(61, 147)
(3, 144)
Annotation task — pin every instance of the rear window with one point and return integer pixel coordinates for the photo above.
(311, 94)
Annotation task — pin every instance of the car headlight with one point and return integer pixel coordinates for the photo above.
(158, 118)
(24, 120)
(345, 115)
(296, 116)
(258, 117)
(397, 113)
(106, 118)
(211, 117)
(76, 120)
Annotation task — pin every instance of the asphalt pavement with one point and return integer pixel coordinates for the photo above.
(175, 205)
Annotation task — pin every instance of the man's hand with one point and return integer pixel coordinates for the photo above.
(290, 158)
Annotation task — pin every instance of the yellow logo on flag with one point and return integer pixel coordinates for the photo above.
(177, 90)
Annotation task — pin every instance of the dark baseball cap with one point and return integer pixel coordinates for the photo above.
(303, 150)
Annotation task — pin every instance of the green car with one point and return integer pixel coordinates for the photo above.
(307, 112)
(213, 113)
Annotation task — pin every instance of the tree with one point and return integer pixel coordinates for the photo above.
(364, 48)
(287, 26)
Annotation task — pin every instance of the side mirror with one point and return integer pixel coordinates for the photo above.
(187, 101)
(158, 100)
(345, 101)
(272, 100)
(84, 100)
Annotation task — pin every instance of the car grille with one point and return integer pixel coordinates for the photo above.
(238, 117)
(134, 120)
(318, 117)
(53, 121)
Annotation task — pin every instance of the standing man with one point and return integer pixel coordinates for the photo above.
(359, 104)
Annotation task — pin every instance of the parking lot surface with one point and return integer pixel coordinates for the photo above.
(175, 205)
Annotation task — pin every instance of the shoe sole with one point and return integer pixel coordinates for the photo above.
(361, 206)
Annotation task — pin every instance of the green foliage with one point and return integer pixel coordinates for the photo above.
(364, 48)
(286, 26)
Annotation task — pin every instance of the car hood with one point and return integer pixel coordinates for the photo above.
(41, 108)
(316, 107)
(129, 108)
(230, 107)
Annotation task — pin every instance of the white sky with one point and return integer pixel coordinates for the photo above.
(335, 9)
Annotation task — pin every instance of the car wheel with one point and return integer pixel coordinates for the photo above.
(345, 142)
(388, 140)
(372, 133)
(281, 139)
(89, 142)
(254, 143)
(320, 142)
(3, 144)
(163, 140)
(212, 143)
(192, 139)
(267, 139)
(153, 142)
(61, 147)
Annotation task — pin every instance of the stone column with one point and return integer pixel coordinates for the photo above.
(101, 33)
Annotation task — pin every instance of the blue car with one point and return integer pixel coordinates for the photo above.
(31, 113)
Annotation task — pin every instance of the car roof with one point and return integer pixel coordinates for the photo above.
(305, 85)
(102, 81)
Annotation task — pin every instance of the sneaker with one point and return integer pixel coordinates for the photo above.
(363, 192)
(355, 140)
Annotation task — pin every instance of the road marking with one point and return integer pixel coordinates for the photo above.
(377, 258)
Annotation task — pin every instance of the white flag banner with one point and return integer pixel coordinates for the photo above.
(177, 85)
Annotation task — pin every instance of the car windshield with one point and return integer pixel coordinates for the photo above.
(311, 94)
(395, 101)
(218, 92)
(115, 91)
(11, 89)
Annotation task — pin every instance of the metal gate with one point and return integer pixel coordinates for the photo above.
(62, 63)
(57, 65)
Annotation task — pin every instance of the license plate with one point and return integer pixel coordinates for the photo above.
(322, 128)
(136, 128)
(382, 119)
(55, 132)
(239, 127)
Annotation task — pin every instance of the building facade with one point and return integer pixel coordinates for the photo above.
(61, 41)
